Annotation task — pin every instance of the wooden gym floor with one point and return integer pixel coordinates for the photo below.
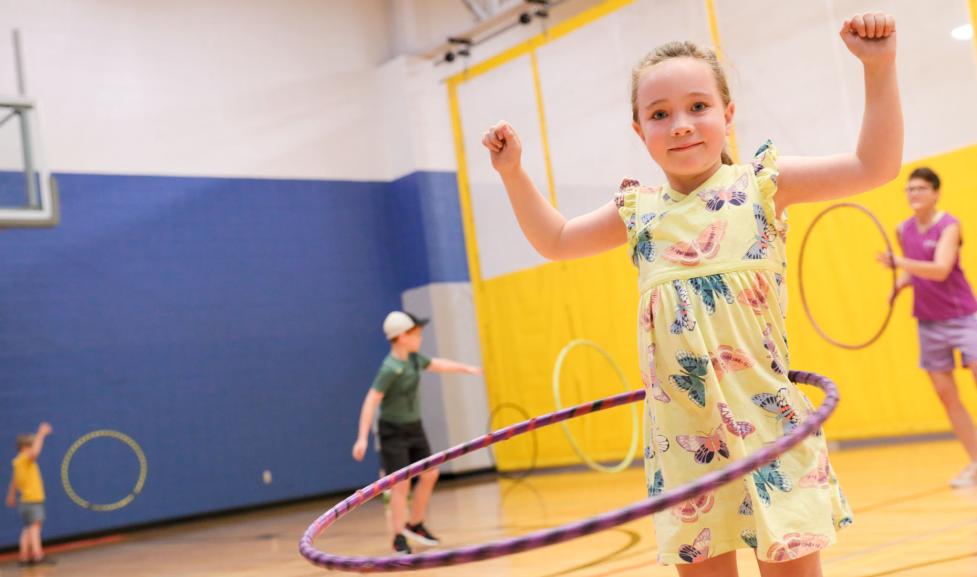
(909, 523)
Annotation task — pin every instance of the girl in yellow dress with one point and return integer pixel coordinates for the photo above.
(709, 247)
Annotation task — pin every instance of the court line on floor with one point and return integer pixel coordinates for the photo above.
(902, 541)
(930, 563)
(866, 509)
(71, 546)
(903, 499)
(635, 538)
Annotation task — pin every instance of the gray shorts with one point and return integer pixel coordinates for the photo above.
(938, 339)
(31, 513)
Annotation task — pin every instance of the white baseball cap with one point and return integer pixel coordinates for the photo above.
(399, 322)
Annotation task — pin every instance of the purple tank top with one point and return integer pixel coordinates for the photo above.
(936, 300)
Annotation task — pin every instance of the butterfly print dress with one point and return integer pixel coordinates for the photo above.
(711, 326)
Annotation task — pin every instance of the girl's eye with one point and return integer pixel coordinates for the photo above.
(658, 115)
(699, 106)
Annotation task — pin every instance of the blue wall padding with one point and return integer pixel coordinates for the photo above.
(229, 326)
(426, 220)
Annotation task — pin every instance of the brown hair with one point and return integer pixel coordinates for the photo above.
(24, 441)
(683, 49)
(927, 174)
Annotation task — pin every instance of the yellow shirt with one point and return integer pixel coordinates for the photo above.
(27, 479)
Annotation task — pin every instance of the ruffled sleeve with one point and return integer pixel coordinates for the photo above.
(766, 171)
(627, 205)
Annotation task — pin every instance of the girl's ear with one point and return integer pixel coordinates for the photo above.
(637, 130)
(730, 112)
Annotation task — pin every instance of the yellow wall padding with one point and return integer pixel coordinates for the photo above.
(528, 316)
(884, 393)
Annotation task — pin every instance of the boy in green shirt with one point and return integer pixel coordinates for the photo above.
(401, 435)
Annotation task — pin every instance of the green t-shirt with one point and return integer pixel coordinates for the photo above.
(398, 381)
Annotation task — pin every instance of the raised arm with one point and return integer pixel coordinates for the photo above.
(878, 156)
(553, 236)
(38, 445)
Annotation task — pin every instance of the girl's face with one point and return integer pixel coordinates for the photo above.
(921, 195)
(682, 120)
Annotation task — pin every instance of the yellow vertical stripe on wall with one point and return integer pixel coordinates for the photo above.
(734, 151)
(972, 4)
(543, 133)
(468, 226)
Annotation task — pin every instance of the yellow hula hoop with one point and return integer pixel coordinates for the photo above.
(85, 504)
(633, 450)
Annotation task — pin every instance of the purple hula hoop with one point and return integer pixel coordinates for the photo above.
(562, 533)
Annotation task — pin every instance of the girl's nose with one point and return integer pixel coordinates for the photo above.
(681, 129)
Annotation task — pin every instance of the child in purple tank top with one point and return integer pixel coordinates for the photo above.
(943, 303)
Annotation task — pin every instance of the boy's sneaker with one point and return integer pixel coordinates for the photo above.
(966, 478)
(401, 546)
(420, 534)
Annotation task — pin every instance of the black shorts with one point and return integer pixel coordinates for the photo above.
(401, 444)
